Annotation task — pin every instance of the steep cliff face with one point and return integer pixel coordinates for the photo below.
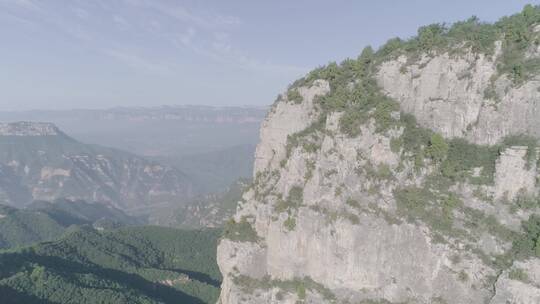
(447, 94)
(408, 175)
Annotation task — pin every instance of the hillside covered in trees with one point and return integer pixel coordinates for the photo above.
(126, 265)
(46, 221)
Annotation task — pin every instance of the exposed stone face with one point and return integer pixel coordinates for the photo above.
(48, 173)
(446, 93)
(515, 290)
(24, 128)
(347, 237)
(286, 118)
(513, 174)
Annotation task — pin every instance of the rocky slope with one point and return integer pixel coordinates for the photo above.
(39, 162)
(407, 175)
(204, 211)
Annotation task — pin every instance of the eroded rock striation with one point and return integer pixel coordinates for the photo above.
(407, 175)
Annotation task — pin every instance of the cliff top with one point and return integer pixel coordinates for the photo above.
(25, 128)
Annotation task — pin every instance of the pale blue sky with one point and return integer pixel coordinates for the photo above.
(58, 54)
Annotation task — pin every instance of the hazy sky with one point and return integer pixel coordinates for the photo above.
(103, 53)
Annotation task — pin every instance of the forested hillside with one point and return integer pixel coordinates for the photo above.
(127, 265)
(45, 221)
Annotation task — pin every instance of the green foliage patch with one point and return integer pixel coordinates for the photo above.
(308, 138)
(518, 274)
(298, 286)
(241, 231)
(46, 221)
(431, 208)
(294, 200)
(528, 244)
(290, 223)
(437, 148)
(463, 157)
(294, 96)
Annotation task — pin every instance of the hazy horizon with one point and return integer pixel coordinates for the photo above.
(65, 55)
(136, 107)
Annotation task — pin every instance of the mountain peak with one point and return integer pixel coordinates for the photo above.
(26, 128)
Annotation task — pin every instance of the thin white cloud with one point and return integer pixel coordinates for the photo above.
(17, 19)
(227, 20)
(250, 63)
(221, 42)
(242, 61)
(26, 4)
(187, 38)
(135, 61)
(221, 50)
(81, 13)
(199, 19)
(205, 33)
(121, 23)
(79, 33)
(22, 12)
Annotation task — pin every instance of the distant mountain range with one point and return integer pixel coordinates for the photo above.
(40, 162)
(191, 159)
(156, 131)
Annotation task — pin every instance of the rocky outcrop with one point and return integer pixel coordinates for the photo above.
(513, 175)
(286, 119)
(398, 211)
(519, 285)
(24, 128)
(447, 93)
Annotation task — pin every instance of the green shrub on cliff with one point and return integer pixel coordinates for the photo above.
(294, 96)
(241, 231)
(529, 242)
(437, 148)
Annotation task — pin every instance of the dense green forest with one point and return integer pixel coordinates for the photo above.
(125, 265)
(46, 221)
(24, 227)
